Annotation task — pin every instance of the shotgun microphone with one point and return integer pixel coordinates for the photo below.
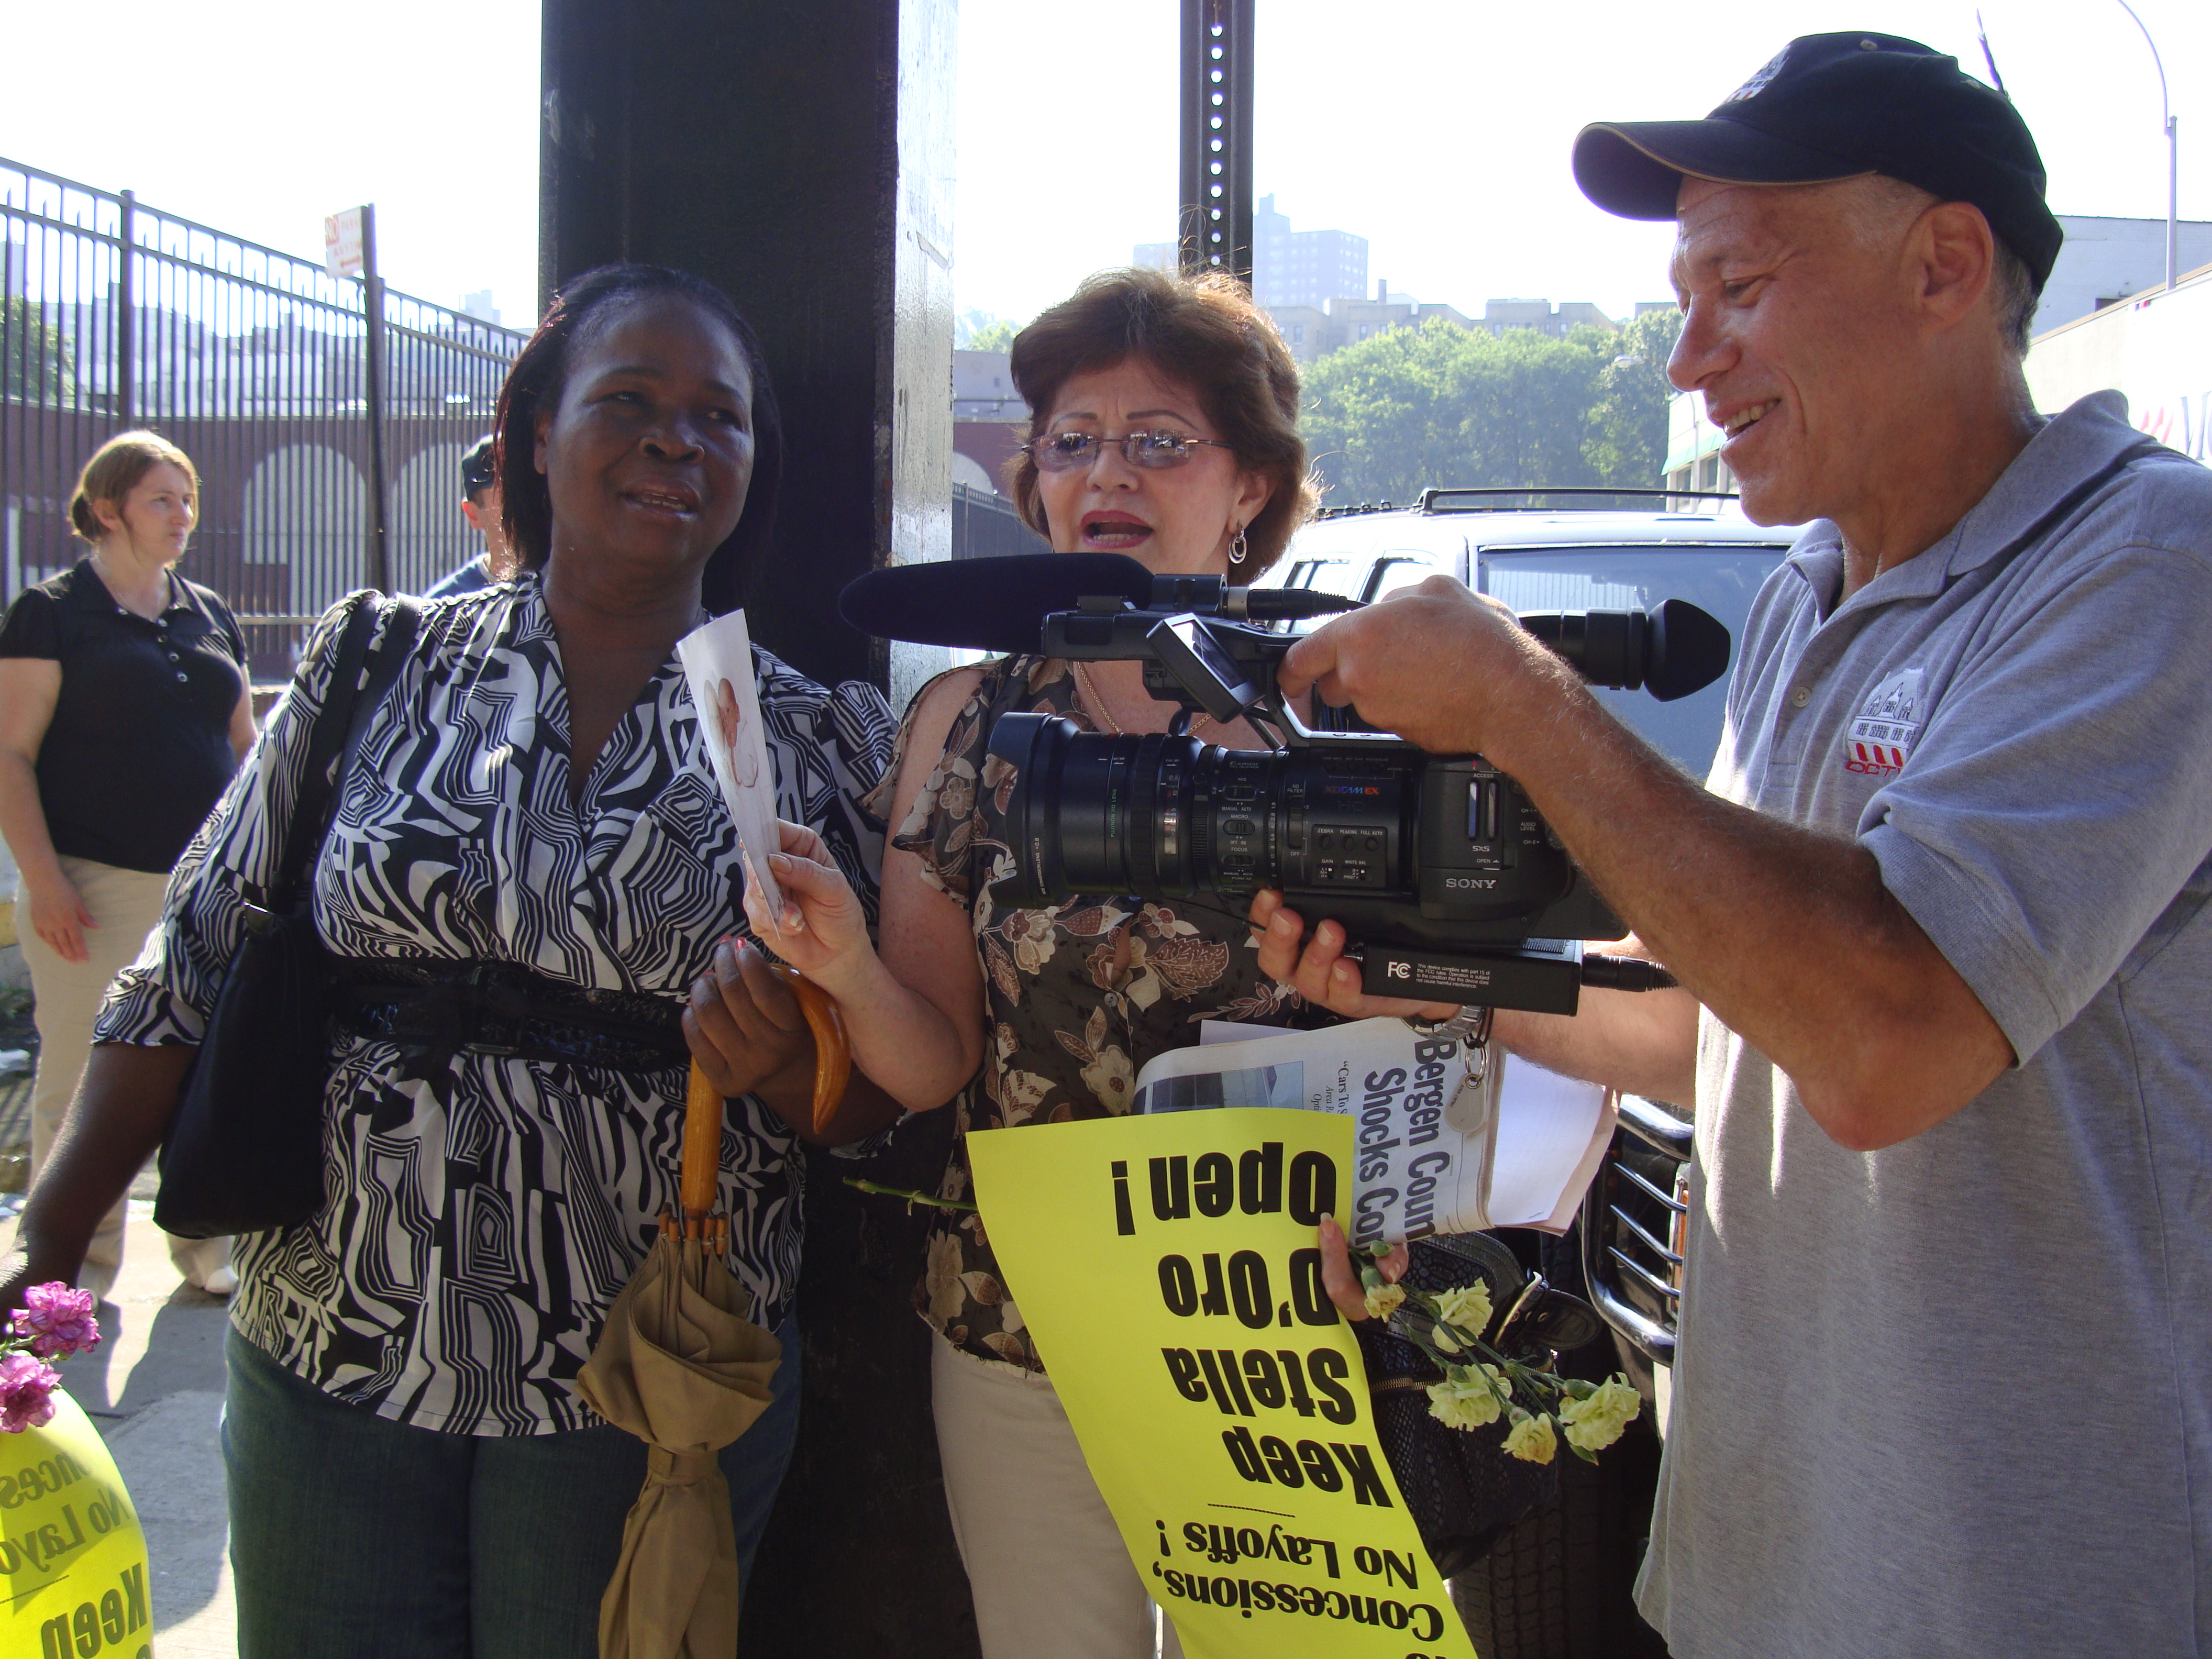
(999, 605)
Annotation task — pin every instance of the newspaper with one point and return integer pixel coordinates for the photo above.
(1449, 1138)
(718, 662)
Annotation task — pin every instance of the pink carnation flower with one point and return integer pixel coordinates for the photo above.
(58, 1321)
(27, 1390)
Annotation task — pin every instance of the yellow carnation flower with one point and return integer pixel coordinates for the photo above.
(1531, 1439)
(1595, 1423)
(1467, 1307)
(1385, 1300)
(1469, 1399)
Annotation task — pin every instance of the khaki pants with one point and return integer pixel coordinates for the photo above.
(126, 904)
(1050, 1574)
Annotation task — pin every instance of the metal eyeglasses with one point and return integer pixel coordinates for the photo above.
(1072, 451)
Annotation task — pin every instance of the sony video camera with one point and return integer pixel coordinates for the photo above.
(1449, 884)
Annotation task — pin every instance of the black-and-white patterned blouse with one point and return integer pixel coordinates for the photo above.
(477, 1224)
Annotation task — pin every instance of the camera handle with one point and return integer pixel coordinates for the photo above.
(1228, 674)
(1544, 976)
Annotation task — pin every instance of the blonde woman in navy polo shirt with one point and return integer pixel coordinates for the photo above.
(125, 709)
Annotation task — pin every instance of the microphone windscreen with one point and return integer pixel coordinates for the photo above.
(985, 605)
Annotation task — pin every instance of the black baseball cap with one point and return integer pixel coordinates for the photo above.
(1832, 107)
(476, 465)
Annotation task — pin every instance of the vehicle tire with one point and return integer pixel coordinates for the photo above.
(1559, 1584)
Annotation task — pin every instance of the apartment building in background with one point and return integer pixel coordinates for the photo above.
(1292, 270)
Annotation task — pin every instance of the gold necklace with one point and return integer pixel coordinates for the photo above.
(1089, 693)
(1088, 690)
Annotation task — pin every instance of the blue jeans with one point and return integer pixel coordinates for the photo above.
(354, 1537)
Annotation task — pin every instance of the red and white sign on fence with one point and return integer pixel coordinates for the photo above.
(341, 244)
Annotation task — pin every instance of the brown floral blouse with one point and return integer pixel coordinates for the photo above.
(1078, 996)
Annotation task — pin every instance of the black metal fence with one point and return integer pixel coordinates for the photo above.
(985, 525)
(113, 316)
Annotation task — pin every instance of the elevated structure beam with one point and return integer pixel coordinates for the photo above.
(1215, 212)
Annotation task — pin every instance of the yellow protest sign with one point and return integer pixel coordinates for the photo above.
(72, 1558)
(1167, 1266)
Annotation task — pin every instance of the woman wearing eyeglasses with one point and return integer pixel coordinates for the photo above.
(1165, 429)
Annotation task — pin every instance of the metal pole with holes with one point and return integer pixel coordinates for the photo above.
(1215, 213)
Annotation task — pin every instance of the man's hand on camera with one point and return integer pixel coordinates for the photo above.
(1436, 665)
(1319, 973)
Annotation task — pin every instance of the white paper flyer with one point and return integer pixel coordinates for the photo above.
(718, 662)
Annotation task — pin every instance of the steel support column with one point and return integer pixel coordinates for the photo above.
(1215, 212)
(800, 155)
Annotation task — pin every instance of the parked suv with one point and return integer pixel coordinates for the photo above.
(1557, 1586)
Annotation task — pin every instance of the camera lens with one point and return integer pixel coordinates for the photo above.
(1092, 813)
(1174, 818)
(1417, 850)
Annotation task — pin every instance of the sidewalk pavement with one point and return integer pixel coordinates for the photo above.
(155, 1388)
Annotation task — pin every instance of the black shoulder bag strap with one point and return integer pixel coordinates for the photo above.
(340, 724)
(405, 612)
(243, 1148)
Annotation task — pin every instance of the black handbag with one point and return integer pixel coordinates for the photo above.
(244, 1151)
(1461, 1488)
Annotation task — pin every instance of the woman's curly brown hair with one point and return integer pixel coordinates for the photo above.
(1204, 331)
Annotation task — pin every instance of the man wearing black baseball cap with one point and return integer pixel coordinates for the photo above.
(480, 507)
(1942, 915)
(1829, 108)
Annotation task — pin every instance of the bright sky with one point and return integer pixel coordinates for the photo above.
(258, 120)
(1438, 129)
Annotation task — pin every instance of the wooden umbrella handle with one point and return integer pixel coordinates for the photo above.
(702, 1102)
(702, 1146)
(833, 1049)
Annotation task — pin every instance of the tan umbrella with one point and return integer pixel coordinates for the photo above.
(682, 1366)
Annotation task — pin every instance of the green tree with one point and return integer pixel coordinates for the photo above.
(1526, 419)
(1628, 423)
(1383, 418)
(1451, 407)
(996, 335)
(40, 364)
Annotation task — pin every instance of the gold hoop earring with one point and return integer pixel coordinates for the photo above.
(1239, 549)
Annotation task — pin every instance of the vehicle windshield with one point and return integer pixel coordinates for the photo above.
(1719, 580)
(1343, 574)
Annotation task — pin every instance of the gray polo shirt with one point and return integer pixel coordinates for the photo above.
(1955, 1396)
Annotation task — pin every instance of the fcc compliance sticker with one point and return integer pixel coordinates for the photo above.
(1879, 737)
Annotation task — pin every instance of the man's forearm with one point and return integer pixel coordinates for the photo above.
(1640, 1043)
(1788, 936)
